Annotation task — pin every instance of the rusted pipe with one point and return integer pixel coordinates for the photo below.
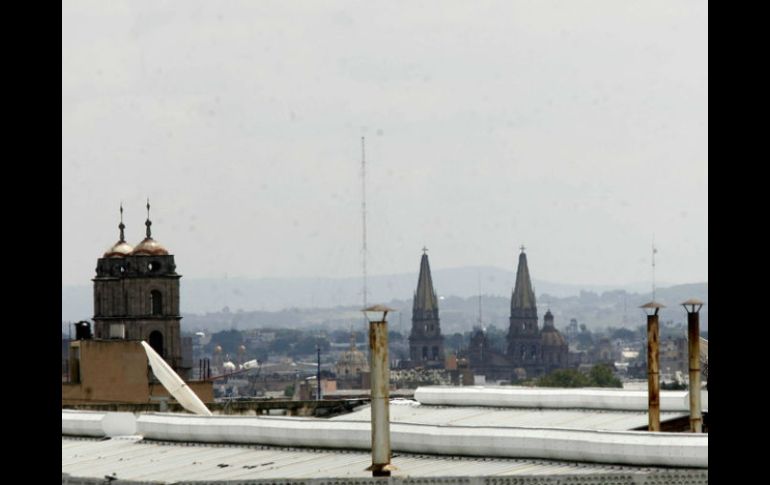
(380, 394)
(693, 339)
(653, 378)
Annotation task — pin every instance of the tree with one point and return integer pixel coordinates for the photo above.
(563, 378)
(601, 376)
(289, 391)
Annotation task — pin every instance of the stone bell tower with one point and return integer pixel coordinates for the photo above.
(136, 296)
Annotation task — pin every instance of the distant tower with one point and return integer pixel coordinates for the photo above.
(426, 344)
(136, 296)
(554, 347)
(523, 334)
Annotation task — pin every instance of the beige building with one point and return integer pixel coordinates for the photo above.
(116, 371)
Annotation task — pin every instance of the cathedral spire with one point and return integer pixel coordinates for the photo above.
(148, 222)
(425, 297)
(523, 299)
(121, 226)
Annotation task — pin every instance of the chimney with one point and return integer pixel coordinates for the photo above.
(693, 340)
(380, 391)
(653, 368)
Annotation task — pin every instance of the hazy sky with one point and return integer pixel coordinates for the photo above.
(576, 128)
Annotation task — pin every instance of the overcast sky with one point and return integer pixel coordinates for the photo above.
(576, 128)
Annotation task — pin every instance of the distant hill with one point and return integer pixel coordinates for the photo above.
(273, 294)
(616, 308)
(246, 303)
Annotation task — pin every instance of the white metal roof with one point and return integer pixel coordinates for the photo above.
(405, 411)
(131, 458)
(554, 398)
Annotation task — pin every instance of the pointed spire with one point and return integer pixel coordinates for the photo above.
(523, 297)
(425, 297)
(121, 226)
(148, 222)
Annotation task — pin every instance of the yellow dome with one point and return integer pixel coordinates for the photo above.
(119, 250)
(149, 247)
(218, 349)
(353, 358)
(552, 338)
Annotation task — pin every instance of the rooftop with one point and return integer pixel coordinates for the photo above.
(134, 459)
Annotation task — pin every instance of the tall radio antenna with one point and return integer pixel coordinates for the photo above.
(363, 216)
(654, 250)
(479, 277)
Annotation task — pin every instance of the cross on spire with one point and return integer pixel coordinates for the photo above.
(424, 250)
(148, 223)
(121, 226)
(522, 248)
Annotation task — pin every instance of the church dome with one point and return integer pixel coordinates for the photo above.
(149, 247)
(552, 338)
(119, 250)
(353, 358)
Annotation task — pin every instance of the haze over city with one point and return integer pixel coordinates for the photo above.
(576, 129)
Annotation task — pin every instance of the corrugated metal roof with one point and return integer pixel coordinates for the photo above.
(131, 458)
(404, 411)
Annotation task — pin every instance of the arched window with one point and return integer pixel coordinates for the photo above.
(523, 352)
(435, 353)
(156, 302)
(425, 353)
(533, 352)
(156, 342)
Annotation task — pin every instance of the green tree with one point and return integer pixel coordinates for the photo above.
(289, 391)
(564, 378)
(601, 376)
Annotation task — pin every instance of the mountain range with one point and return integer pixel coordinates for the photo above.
(327, 302)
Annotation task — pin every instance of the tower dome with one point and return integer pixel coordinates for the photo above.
(352, 362)
(121, 248)
(149, 246)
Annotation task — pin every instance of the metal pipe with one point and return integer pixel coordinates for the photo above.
(380, 394)
(653, 379)
(693, 339)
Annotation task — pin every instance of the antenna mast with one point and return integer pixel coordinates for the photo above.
(363, 218)
(653, 267)
(479, 277)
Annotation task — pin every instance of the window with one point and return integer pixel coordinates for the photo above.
(156, 302)
(425, 353)
(435, 353)
(156, 342)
